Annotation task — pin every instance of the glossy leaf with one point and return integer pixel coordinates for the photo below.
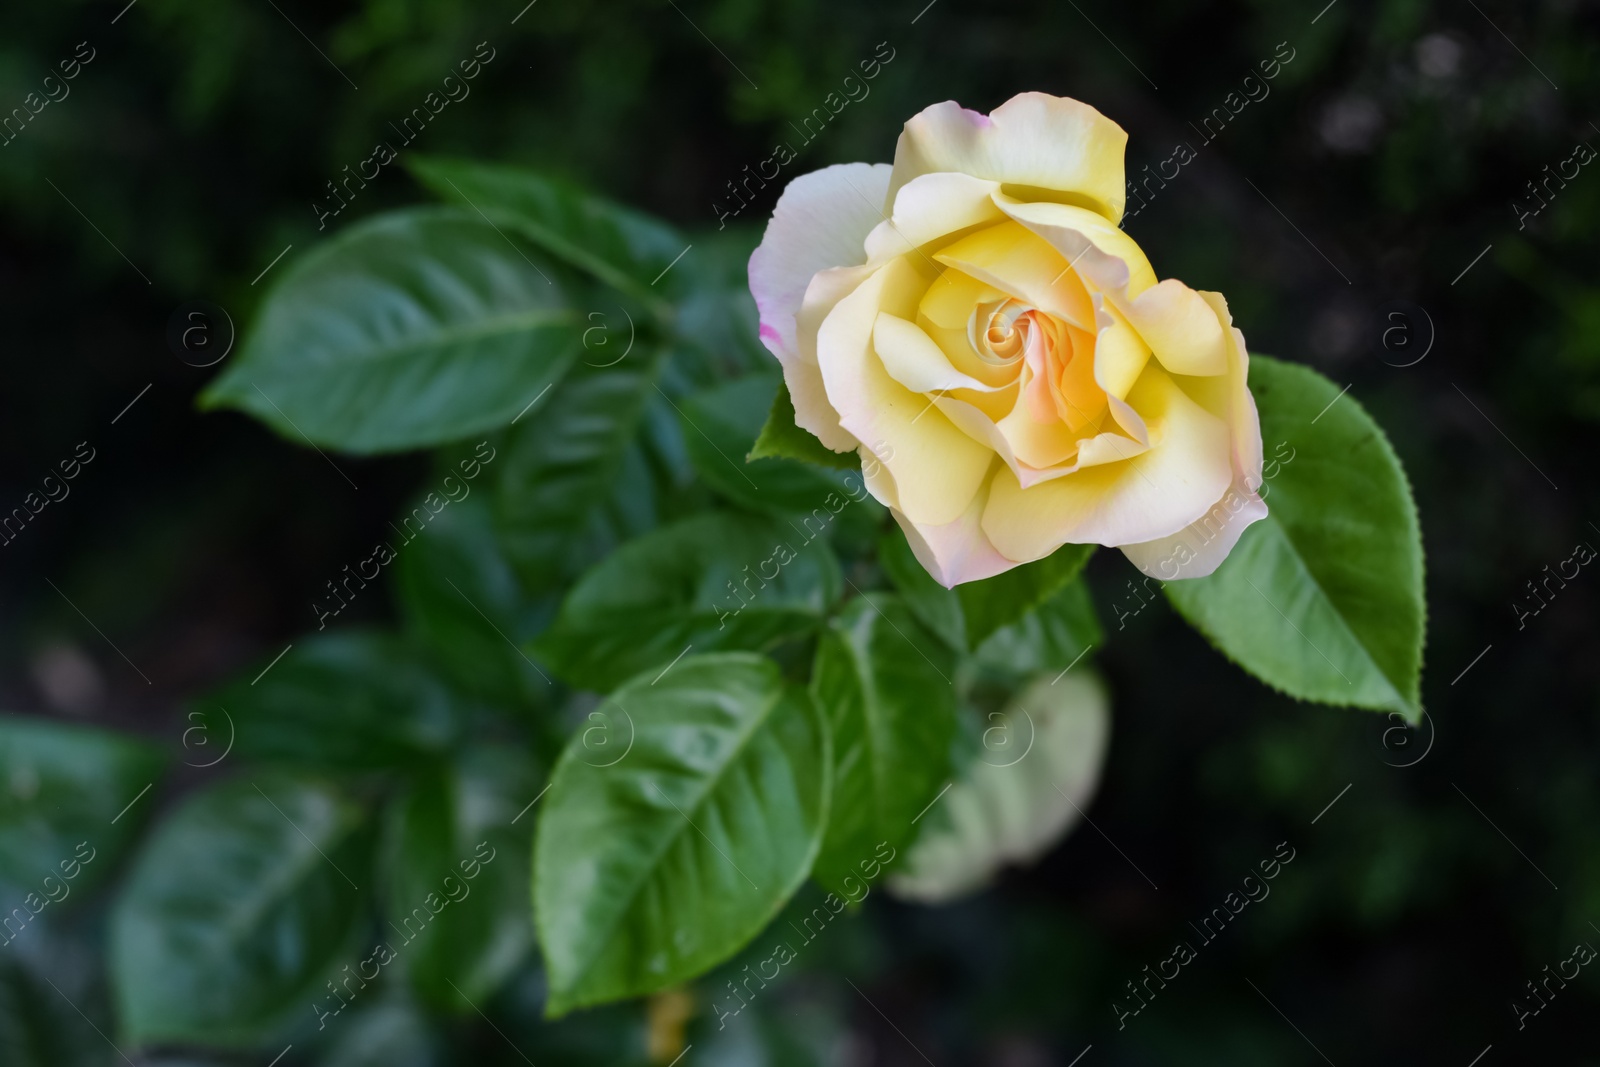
(409, 329)
(238, 909)
(621, 247)
(1323, 598)
(720, 425)
(346, 698)
(459, 594)
(561, 464)
(716, 315)
(60, 787)
(1009, 806)
(1007, 598)
(780, 438)
(966, 615)
(457, 897)
(652, 868)
(891, 711)
(1048, 639)
(714, 581)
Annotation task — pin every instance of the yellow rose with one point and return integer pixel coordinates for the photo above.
(974, 315)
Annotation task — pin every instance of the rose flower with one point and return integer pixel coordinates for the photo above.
(974, 321)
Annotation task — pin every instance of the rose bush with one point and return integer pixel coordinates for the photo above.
(976, 309)
(710, 681)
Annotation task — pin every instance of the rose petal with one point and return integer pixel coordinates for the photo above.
(1199, 548)
(1154, 495)
(821, 221)
(1119, 352)
(959, 551)
(1241, 411)
(1032, 140)
(812, 410)
(913, 359)
(1181, 329)
(936, 468)
(1021, 264)
(1104, 257)
(929, 208)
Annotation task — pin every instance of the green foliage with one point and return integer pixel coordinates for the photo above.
(892, 714)
(1323, 598)
(407, 330)
(715, 581)
(355, 699)
(559, 470)
(790, 692)
(458, 594)
(451, 840)
(780, 438)
(720, 428)
(64, 786)
(653, 868)
(969, 614)
(1035, 768)
(1049, 638)
(37, 1025)
(242, 905)
(620, 247)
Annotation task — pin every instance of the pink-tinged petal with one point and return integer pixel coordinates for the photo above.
(1241, 410)
(1080, 400)
(1033, 140)
(936, 467)
(929, 208)
(958, 551)
(1199, 548)
(1153, 495)
(812, 409)
(1038, 399)
(821, 221)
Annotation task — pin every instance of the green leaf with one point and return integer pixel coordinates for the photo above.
(623, 248)
(780, 438)
(713, 581)
(457, 897)
(719, 426)
(966, 615)
(392, 1032)
(389, 1032)
(892, 715)
(716, 315)
(61, 786)
(237, 910)
(1007, 598)
(38, 1027)
(458, 593)
(1011, 809)
(347, 699)
(937, 607)
(1048, 639)
(561, 463)
(657, 866)
(1323, 598)
(409, 329)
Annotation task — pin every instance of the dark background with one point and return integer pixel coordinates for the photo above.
(1390, 151)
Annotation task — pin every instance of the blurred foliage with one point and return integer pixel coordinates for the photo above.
(1389, 153)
